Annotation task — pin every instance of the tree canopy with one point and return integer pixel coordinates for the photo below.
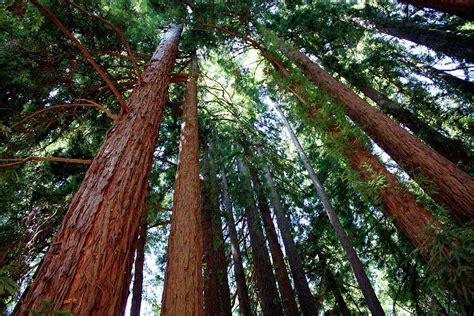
(72, 73)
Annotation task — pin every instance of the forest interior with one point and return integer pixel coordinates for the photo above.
(293, 157)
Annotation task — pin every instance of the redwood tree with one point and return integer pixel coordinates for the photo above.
(288, 300)
(183, 279)
(87, 267)
(265, 279)
(216, 284)
(453, 186)
(239, 272)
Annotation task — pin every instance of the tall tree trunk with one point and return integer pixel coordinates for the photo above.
(306, 299)
(461, 8)
(409, 216)
(137, 289)
(265, 279)
(450, 148)
(183, 280)
(216, 285)
(239, 272)
(453, 186)
(87, 267)
(362, 279)
(451, 44)
(287, 295)
(333, 285)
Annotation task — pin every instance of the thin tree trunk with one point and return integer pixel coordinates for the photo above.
(239, 272)
(265, 279)
(410, 217)
(333, 285)
(87, 267)
(183, 280)
(137, 289)
(216, 285)
(362, 279)
(286, 291)
(451, 44)
(453, 186)
(414, 220)
(306, 299)
(450, 148)
(461, 8)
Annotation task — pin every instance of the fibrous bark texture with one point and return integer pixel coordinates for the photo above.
(183, 280)
(239, 272)
(461, 8)
(137, 289)
(451, 44)
(453, 186)
(450, 148)
(414, 220)
(216, 284)
(284, 285)
(265, 279)
(356, 265)
(87, 267)
(306, 299)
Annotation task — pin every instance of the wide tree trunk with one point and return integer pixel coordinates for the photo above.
(87, 267)
(453, 187)
(265, 279)
(356, 265)
(461, 8)
(306, 299)
(450, 148)
(239, 272)
(451, 44)
(284, 285)
(216, 285)
(183, 280)
(410, 217)
(139, 263)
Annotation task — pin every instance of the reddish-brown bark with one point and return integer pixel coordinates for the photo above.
(411, 218)
(399, 203)
(182, 291)
(87, 267)
(461, 8)
(216, 285)
(453, 186)
(239, 272)
(265, 279)
(288, 300)
(139, 263)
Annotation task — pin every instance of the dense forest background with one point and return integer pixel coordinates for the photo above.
(309, 156)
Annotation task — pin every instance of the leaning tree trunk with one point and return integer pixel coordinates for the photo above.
(362, 279)
(453, 186)
(286, 291)
(450, 148)
(265, 279)
(87, 267)
(139, 263)
(239, 272)
(461, 8)
(306, 299)
(451, 44)
(183, 280)
(414, 220)
(410, 217)
(216, 285)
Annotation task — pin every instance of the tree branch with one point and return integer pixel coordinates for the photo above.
(118, 31)
(84, 51)
(13, 162)
(89, 104)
